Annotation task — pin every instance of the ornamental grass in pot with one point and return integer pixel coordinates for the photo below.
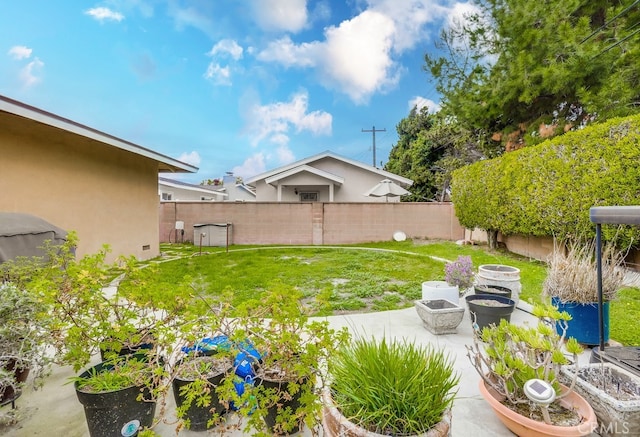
(508, 356)
(389, 387)
(572, 285)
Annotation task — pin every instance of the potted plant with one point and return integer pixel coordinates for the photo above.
(381, 387)
(501, 275)
(93, 312)
(520, 364)
(614, 394)
(439, 308)
(196, 377)
(460, 273)
(572, 284)
(24, 336)
(489, 309)
(458, 278)
(291, 370)
(492, 289)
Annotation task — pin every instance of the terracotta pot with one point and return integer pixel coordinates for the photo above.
(525, 427)
(335, 424)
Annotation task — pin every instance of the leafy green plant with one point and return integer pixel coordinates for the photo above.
(24, 334)
(294, 351)
(392, 387)
(508, 355)
(547, 190)
(123, 372)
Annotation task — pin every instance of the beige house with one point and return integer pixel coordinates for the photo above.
(325, 177)
(81, 179)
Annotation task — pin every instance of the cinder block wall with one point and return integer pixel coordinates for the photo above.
(313, 223)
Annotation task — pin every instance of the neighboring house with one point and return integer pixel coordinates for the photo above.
(325, 177)
(237, 190)
(172, 190)
(80, 179)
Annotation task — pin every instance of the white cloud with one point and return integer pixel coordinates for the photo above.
(359, 57)
(421, 102)
(274, 121)
(192, 158)
(218, 75)
(20, 52)
(285, 155)
(280, 15)
(286, 52)
(196, 16)
(252, 166)
(30, 74)
(102, 14)
(410, 18)
(227, 46)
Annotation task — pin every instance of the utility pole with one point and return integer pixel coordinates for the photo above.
(373, 130)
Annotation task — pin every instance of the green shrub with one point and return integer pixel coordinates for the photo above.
(393, 388)
(547, 190)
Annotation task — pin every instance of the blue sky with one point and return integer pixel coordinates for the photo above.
(243, 86)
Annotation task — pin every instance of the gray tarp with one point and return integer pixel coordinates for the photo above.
(25, 234)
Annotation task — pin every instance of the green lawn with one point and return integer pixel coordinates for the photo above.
(348, 279)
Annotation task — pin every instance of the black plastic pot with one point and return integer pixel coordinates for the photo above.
(199, 416)
(9, 393)
(284, 404)
(498, 290)
(108, 413)
(489, 313)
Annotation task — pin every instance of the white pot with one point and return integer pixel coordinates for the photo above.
(432, 290)
(502, 275)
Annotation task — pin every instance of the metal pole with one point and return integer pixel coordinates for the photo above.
(599, 273)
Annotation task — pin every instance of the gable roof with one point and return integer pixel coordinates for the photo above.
(338, 180)
(192, 187)
(165, 163)
(327, 154)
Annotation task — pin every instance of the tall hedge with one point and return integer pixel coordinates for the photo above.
(547, 190)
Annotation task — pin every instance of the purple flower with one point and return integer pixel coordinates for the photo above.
(459, 272)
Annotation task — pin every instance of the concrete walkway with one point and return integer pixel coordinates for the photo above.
(55, 411)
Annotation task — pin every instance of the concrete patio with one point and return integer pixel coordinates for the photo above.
(55, 411)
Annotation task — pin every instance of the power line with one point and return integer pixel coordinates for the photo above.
(373, 130)
(599, 29)
(616, 44)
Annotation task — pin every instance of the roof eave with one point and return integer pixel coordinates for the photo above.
(165, 163)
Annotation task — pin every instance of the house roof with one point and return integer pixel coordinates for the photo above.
(338, 180)
(165, 163)
(192, 187)
(327, 154)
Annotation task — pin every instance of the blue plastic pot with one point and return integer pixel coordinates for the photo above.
(583, 325)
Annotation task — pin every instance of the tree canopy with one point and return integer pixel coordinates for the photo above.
(513, 65)
(514, 72)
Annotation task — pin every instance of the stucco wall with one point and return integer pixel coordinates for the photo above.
(313, 223)
(105, 194)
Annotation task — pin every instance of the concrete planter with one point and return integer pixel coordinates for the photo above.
(615, 416)
(439, 316)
